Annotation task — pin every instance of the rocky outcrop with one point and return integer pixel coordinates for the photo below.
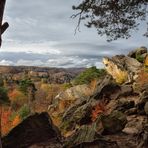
(80, 113)
(61, 77)
(62, 101)
(35, 129)
(113, 115)
(122, 68)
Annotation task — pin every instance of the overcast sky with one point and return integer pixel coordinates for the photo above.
(41, 33)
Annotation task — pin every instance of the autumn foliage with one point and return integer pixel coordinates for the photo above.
(97, 110)
(17, 98)
(6, 123)
(16, 121)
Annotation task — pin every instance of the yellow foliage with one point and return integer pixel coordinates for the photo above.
(121, 76)
(45, 87)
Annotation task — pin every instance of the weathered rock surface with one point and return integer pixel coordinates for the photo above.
(87, 137)
(75, 93)
(113, 123)
(64, 99)
(122, 68)
(134, 124)
(35, 129)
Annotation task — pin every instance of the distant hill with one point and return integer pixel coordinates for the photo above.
(18, 69)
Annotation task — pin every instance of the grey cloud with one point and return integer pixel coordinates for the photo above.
(51, 61)
(11, 56)
(35, 23)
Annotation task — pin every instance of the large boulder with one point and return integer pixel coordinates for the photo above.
(113, 123)
(35, 129)
(75, 92)
(79, 114)
(122, 68)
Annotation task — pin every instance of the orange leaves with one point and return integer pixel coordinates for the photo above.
(5, 122)
(16, 121)
(15, 95)
(17, 98)
(97, 110)
(5, 116)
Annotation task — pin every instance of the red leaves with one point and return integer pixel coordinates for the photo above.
(97, 110)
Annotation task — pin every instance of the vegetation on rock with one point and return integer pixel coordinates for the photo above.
(88, 75)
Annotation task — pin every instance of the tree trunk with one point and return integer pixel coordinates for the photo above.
(3, 27)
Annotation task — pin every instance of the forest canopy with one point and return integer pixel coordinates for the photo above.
(113, 18)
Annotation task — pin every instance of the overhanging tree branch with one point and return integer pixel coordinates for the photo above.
(113, 18)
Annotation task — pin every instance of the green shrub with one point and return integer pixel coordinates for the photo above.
(88, 75)
(139, 58)
(24, 111)
(12, 116)
(24, 84)
(67, 85)
(4, 95)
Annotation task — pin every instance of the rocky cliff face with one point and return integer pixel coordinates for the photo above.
(113, 115)
(126, 68)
